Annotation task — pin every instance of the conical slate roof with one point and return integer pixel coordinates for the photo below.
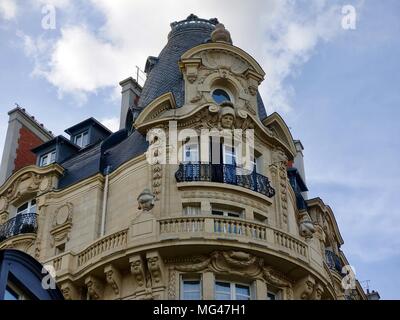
(163, 74)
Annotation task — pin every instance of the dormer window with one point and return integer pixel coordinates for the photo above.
(221, 96)
(82, 139)
(47, 158)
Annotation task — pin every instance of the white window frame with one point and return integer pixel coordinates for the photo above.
(50, 158)
(277, 294)
(229, 93)
(227, 149)
(82, 135)
(232, 285)
(182, 292)
(31, 204)
(191, 209)
(188, 147)
(227, 212)
(14, 290)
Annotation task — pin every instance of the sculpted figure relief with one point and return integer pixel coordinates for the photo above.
(146, 200)
(227, 117)
(306, 226)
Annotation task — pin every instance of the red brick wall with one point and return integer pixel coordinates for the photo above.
(27, 141)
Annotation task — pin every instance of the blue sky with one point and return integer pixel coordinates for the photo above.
(337, 89)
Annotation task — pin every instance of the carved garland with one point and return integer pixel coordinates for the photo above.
(225, 196)
(227, 262)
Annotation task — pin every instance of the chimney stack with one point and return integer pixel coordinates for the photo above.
(23, 134)
(131, 91)
(299, 164)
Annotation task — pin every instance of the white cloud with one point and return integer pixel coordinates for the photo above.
(8, 9)
(282, 36)
(111, 123)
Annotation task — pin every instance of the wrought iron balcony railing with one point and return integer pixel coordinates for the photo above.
(224, 173)
(21, 224)
(333, 261)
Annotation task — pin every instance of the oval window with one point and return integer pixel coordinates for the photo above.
(220, 96)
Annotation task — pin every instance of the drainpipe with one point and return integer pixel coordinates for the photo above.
(105, 198)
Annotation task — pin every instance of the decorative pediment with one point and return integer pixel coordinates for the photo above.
(29, 180)
(234, 59)
(156, 108)
(280, 130)
(239, 263)
(323, 215)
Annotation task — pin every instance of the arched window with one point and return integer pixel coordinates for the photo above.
(220, 96)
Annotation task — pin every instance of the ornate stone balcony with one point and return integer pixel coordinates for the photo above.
(187, 229)
(21, 224)
(224, 173)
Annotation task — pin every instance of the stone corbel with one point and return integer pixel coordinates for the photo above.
(69, 291)
(113, 277)
(137, 270)
(304, 288)
(95, 287)
(155, 266)
(190, 67)
(318, 292)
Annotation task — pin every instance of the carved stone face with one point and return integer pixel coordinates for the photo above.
(66, 293)
(146, 200)
(318, 293)
(309, 287)
(227, 121)
(153, 262)
(109, 275)
(136, 266)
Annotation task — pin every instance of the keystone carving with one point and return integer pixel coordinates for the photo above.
(69, 291)
(137, 269)
(113, 278)
(304, 288)
(95, 287)
(155, 267)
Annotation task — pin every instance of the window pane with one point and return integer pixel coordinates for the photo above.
(43, 160)
(191, 290)
(243, 290)
(33, 208)
(223, 296)
(220, 96)
(191, 296)
(191, 153)
(23, 208)
(223, 287)
(85, 140)
(191, 285)
(9, 294)
(271, 296)
(78, 140)
(229, 155)
(52, 157)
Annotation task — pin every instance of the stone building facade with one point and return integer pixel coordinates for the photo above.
(157, 211)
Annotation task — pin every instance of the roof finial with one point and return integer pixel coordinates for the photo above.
(220, 34)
